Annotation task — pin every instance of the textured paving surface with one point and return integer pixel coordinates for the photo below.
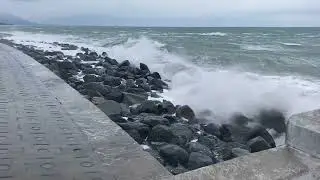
(276, 164)
(49, 131)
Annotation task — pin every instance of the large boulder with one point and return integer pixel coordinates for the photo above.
(225, 133)
(155, 120)
(144, 68)
(68, 65)
(168, 107)
(155, 75)
(174, 154)
(198, 160)
(185, 112)
(262, 132)
(111, 80)
(149, 107)
(92, 78)
(124, 63)
(210, 141)
(197, 147)
(143, 129)
(111, 61)
(130, 98)
(158, 85)
(182, 134)
(213, 129)
(97, 89)
(258, 144)
(160, 133)
(135, 135)
(115, 95)
(273, 119)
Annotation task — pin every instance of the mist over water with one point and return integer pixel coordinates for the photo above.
(224, 70)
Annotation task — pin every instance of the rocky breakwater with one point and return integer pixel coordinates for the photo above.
(173, 134)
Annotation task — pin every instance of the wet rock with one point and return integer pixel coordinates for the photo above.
(212, 129)
(117, 118)
(111, 61)
(198, 160)
(91, 78)
(66, 65)
(197, 147)
(145, 87)
(160, 133)
(168, 107)
(273, 119)
(135, 135)
(97, 89)
(143, 129)
(155, 120)
(115, 95)
(130, 83)
(158, 85)
(182, 134)
(136, 90)
(185, 112)
(141, 81)
(155, 75)
(174, 154)
(125, 110)
(210, 141)
(225, 133)
(111, 80)
(149, 107)
(258, 144)
(144, 68)
(124, 63)
(130, 98)
(262, 132)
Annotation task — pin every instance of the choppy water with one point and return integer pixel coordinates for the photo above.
(225, 70)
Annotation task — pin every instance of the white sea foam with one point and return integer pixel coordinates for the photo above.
(209, 34)
(223, 91)
(291, 44)
(259, 47)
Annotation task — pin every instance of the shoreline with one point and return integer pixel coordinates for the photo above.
(172, 134)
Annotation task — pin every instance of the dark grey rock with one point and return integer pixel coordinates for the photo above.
(130, 83)
(130, 98)
(182, 134)
(145, 87)
(125, 110)
(262, 132)
(239, 119)
(155, 120)
(210, 141)
(111, 61)
(213, 129)
(225, 133)
(136, 90)
(66, 65)
(160, 133)
(91, 78)
(144, 67)
(197, 147)
(149, 107)
(97, 89)
(185, 112)
(141, 81)
(124, 63)
(143, 129)
(198, 160)
(155, 75)
(258, 144)
(115, 95)
(174, 154)
(176, 170)
(135, 135)
(168, 107)
(98, 100)
(117, 118)
(111, 80)
(273, 119)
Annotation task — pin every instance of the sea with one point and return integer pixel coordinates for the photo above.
(216, 71)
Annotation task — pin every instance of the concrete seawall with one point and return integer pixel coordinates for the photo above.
(50, 131)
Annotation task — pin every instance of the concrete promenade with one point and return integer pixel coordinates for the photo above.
(49, 131)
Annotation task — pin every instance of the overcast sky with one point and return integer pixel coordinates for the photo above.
(252, 12)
